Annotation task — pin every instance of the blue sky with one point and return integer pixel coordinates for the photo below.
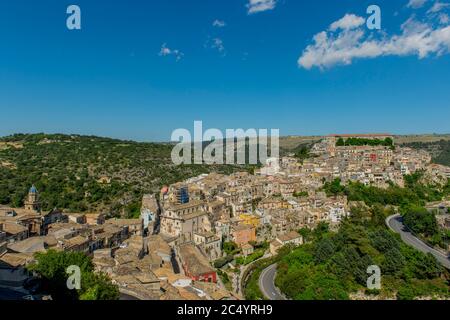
(141, 69)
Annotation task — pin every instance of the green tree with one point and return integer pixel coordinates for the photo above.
(99, 287)
(383, 240)
(421, 221)
(302, 154)
(321, 230)
(324, 250)
(334, 188)
(388, 142)
(393, 262)
(340, 142)
(51, 266)
(230, 247)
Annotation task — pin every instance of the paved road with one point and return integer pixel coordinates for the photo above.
(267, 283)
(395, 222)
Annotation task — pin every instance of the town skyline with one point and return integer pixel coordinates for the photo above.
(318, 136)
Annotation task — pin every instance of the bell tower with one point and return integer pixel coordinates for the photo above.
(32, 202)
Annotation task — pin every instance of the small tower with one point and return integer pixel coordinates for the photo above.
(32, 202)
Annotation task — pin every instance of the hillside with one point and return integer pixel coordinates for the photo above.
(292, 142)
(87, 173)
(440, 150)
(437, 145)
(333, 265)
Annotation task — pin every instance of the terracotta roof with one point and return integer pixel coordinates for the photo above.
(190, 204)
(104, 262)
(146, 277)
(187, 294)
(30, 245)
(157, 244)
(16, 259)
(194, 215)
(194, 261)
(13, 228)
(289, 236)
(276, 243)
(124, 222)
(242, 227)
(78, 240)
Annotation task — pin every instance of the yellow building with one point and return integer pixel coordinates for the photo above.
(250, 220)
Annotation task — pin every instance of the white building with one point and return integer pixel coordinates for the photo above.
(271, 168)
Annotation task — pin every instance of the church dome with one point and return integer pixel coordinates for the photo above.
(33, 189)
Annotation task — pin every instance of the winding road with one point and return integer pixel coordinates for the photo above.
(267, 284)
(395, 223)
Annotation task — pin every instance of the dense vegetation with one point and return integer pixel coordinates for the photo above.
(421, 222)
(333, 265)
(424, 224)
(414, 193)
(388, 142)
(84, 173)
(52, 266)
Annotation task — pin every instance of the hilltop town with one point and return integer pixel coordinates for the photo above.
(195, 239)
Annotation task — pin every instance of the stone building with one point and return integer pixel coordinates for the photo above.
(195, 265)
(209, 244)
(183, 220)
(243, 234)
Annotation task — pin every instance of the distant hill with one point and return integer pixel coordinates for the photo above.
(292, 142)
(437, 144)
(88, 173)
(440, 150)
(424, 138)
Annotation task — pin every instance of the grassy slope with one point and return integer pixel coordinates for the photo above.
(66, 170)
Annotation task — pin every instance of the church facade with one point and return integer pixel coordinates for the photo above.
(30, 217)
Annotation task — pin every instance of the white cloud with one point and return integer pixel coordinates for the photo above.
(255, 6)
(217, 43)
(219, 23)
(166, 51)
(444, 18)
(412, 26)
(345, 45)
(438, 6)
(415, 4)
(349, 21)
